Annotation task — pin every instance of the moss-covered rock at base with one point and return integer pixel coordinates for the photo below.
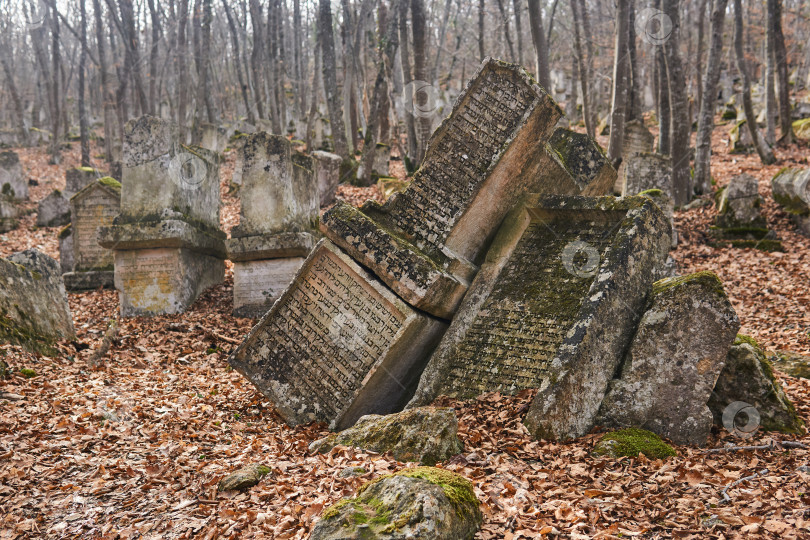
(425, 434)
(110, 182)
(28, 373)
(421, 503)
(748, 377)
(632, 442)
(801, 128)
(244, 478)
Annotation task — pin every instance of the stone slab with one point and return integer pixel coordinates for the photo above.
(553, 307)
(270, 246)
(79, 178)
(327, 171)
(53, 210)
(337, 345)
(158, 281)
(647, 170)
(170, 233)
(67, 257)
(8, 214)
(89, 280)
(259, 283)
(91, 209)
(13, 183)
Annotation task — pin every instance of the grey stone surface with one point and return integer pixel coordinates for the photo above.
(34, 310)
(275, 246)
(246, 477)
(79, 178)
(748, 378)
(12, 182)
(674, 361)
(327, 171)
(553, 307)
(67, 257)
(427, 435)
(740, 204)
(667, 206)
(336, 345)
(647, 171)
(8, 214)
(53, 210)
(412, 504)
(258, 283)
(89, 280)
(791, 189)
(170, 232)
(637, 140)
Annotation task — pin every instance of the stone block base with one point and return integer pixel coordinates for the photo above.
(84, 281)
(257, 284)
(159, 281)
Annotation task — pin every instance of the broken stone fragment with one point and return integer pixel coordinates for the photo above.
(631, 442)
(327, 171)
(748, 377)
(244, 478)
(427, 435)
(421, 503)
(674, 361)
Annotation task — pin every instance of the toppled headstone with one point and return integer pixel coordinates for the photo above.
(327, 171)
(739, 220)
(553, 307)
(167, 242)
(246, 477)
(79, 178)
(277, 223)
(53, 210)
(791, 190)
(748, 378)
(424, 502)
(424, 434)
(34, 310)
(12, 182)
(8, 214)
(674, 361)
(337, 344)
(648, 170)
(637, 140)
(92, 208)
(630, 442)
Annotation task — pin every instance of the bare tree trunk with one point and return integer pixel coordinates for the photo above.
(327, 41)
(182, 70)
(407, 79)
(664, 112)
(237, 60)
(634, 72)
(770, 91)
(83, 131)
(315, 90)
(481, 55)
(204, 102)
(540, 45)
(620, 82)
(681, 126)
(56, 113)
(19, 112)
(106, 92)
(701, 39)
(506, 33)
(765, 153)
(516, 7)
(581, 70)
(420, 73)
(785, 120)
(153, 58)
(300, 94)
(440, 46)
(703, 141)
(256, 56)
(586, 31)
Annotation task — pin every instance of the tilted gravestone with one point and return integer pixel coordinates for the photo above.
(79, 178)
(637, 140)
(327, 170)
(92, 208)
(648, 171)
(337, 345)
(12, 182)
(477, 164)
(278, 222)
(53, 210)
(34, 310)
(425, 242)
(167, 242)
(553, 307)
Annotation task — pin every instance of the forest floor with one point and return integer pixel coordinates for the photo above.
(134, 448)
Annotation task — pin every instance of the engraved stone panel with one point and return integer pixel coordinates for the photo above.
(553, 307)
(337, 344)
(257, 284)
(648, 171)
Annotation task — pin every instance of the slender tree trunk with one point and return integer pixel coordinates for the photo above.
(703, 141)
(182, 69)
(765, 153)
(327, 41)
(481, 12)
(680, 125)
(106, 92)
(300, 94)
(19, 111)
(154, 104)
(506, 32)
(581, 70)
(586, 31)
(780, 52)
(420, 73)
(315, 91)
(540, 45)
(256, 56)
(770, 91)
(56, 112)
(434, 73)
(634, 72)
(699, 55)
(83, 131)
(237, 60)
(407, 79)
(664, 112)
(517, 8)
(620, 82)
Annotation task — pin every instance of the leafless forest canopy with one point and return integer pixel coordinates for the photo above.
(349, 74)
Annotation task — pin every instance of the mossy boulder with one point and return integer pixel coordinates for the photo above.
(748, 377)
(632, 442)
(791, 363)
(801, 128)
(739, 204)
(244, 478)
(425, 434)
(421, 503)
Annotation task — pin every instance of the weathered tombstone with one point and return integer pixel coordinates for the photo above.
(637, 140)
(92, 208)
(667, 206)
(8, 214)
(34, 310)
(674, 361)
(553, 307)
(12, 182)
(53, 210)
(67, 257)
(791, 190)
(214, 138)
(167, 242)
(382, 156)
(79, 178)
(648, 171)
(277, 223)
(337, 345)
(327, 170)
(739, 139)
(739, 220)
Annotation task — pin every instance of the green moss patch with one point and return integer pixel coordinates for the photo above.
(110, 182)
(632, 442)
(706, 278)
(28, 373)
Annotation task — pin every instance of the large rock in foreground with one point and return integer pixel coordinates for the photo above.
(674, 360)
(426, 434)
(421, 504)
(34, 310)
(748, 378)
